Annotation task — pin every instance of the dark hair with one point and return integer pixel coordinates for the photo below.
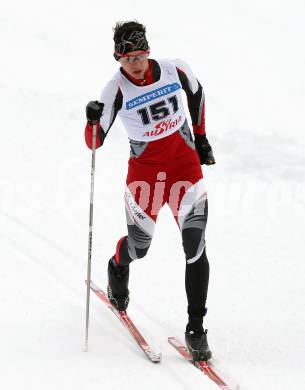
(122, 27)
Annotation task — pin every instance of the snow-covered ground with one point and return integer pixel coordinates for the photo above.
(57, 55)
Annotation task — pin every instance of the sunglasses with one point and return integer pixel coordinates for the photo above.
(129, 58)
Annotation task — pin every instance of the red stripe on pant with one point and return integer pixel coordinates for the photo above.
(117, 252)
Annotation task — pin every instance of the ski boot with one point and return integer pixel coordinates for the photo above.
(196, 340)
(117, 290)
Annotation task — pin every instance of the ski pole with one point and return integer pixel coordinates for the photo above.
(90, 232)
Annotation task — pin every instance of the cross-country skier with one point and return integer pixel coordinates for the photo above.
(164, 166)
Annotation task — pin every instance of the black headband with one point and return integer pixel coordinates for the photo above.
(131, 40)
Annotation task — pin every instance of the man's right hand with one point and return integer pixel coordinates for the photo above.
(94, 111)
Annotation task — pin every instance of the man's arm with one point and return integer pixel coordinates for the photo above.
(196, 105)
(195, 96)
(104, 112)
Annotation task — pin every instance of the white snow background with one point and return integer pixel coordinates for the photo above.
(55, 56)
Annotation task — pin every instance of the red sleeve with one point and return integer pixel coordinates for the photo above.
(200, 128)
(88, 135)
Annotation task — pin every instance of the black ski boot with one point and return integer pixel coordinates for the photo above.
(117, 289)
(196, 340)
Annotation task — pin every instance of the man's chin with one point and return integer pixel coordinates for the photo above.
(137, 74)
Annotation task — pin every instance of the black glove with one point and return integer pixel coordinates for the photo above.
(94, 111)
(204, 150)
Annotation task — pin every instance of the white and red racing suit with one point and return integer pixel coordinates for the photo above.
(163, 166)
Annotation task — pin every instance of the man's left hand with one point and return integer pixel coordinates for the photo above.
(204, 150)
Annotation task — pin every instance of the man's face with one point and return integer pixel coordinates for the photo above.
(138, 67)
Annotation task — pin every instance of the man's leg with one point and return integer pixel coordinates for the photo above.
(197, 265)
(191, 214)
(140, 225)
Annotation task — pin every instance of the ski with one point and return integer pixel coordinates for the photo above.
(205, 367)
(126, 320)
